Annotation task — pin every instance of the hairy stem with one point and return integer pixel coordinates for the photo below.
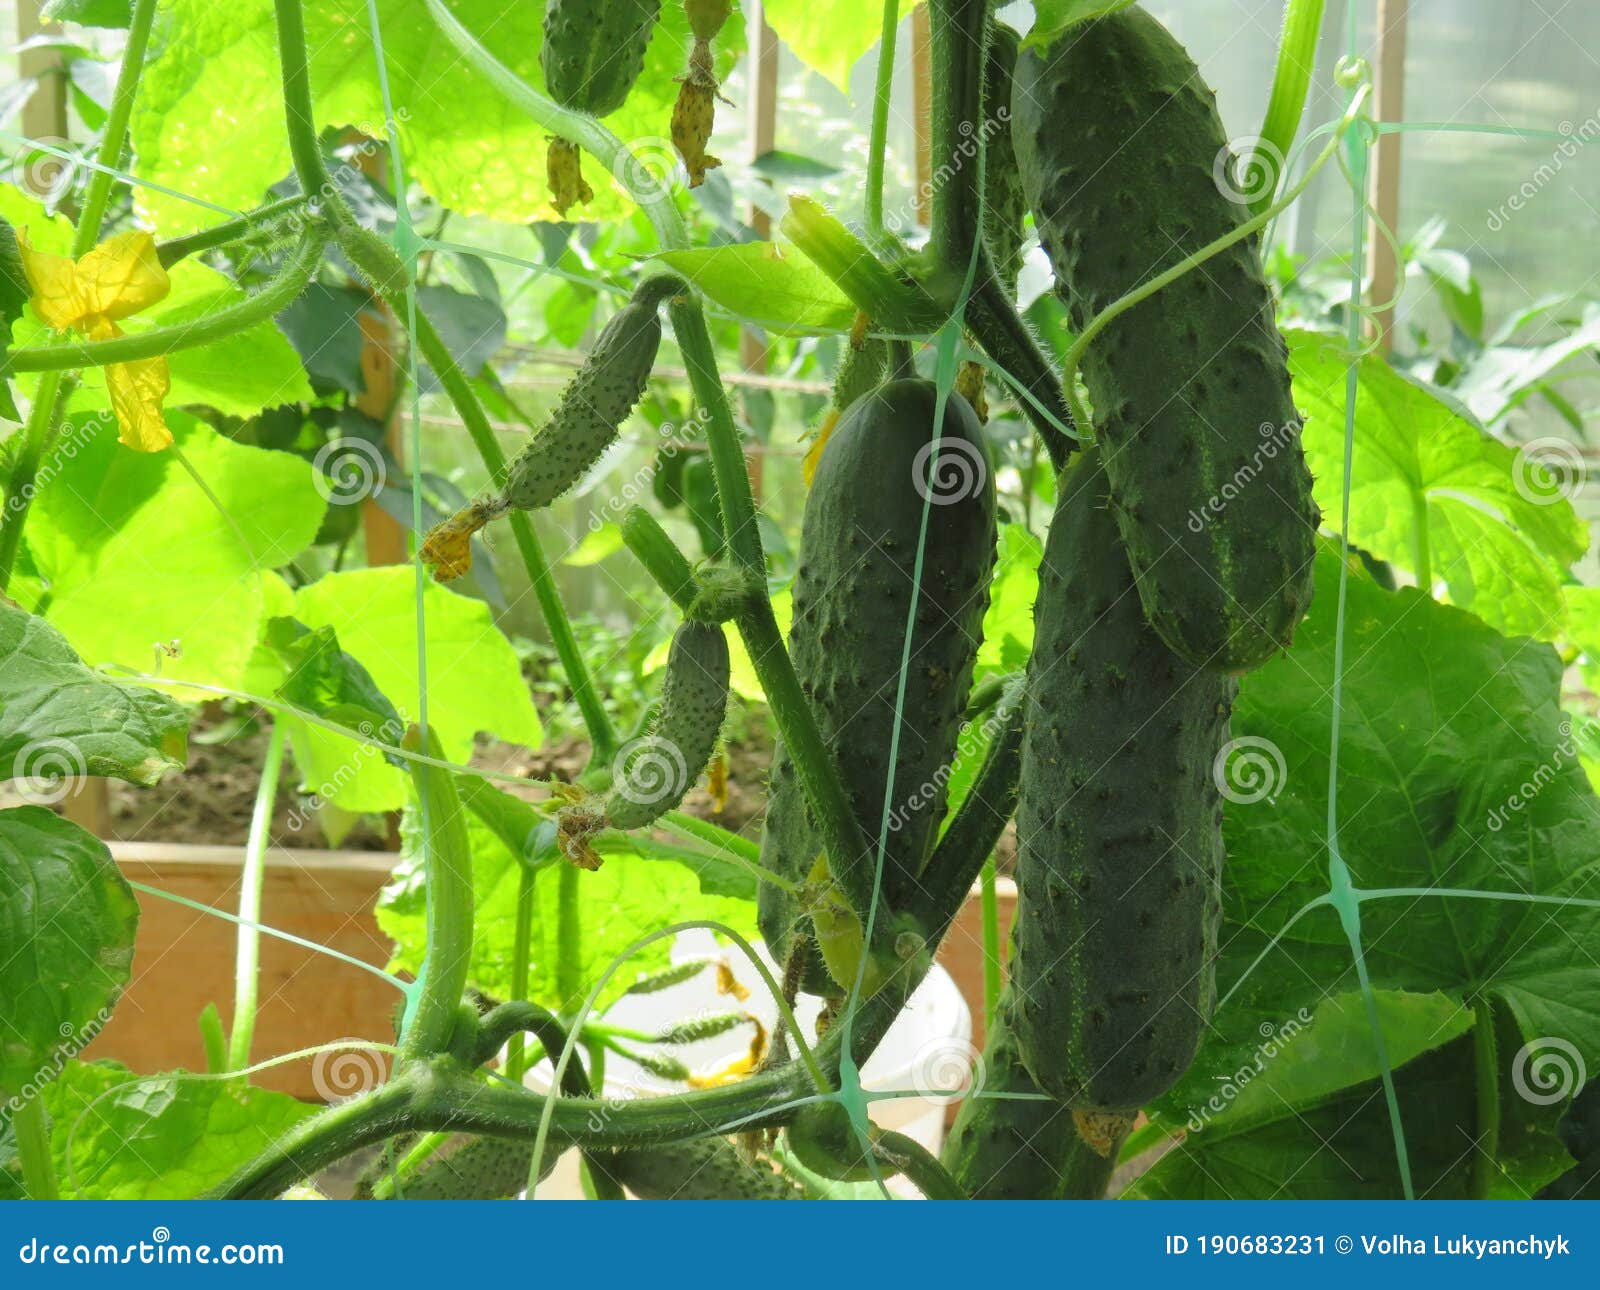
(31, 1129)
(1486, 1071)
(233, 230)
(1297, 59)
(49, 403)
(247, 954)
(878, 140)
(921, 1166)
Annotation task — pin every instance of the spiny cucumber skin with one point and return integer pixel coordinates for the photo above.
(1116, 137)
(1005, 202)
(694, 702)
(851, 594)
(1119, 825)
(1011, 1148)
(704, 1169)
(479, 1169)
(590, 411)
(593, 50)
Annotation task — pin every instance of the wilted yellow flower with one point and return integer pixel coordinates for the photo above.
(115, 280)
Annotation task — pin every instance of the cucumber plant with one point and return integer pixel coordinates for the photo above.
(1179, 556)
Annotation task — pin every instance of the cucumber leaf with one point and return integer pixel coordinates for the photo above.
(1458, 771)
(769, 286)
(161, 1137)
(1431, 486)
(1052, 17)
(60, 719)
(67, 920)
(829, 37)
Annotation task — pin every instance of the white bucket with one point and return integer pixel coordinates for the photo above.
(927, 1055)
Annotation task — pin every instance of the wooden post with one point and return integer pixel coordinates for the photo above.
(763, 129)
(44, 115)
(1389, 104)
(922, 111)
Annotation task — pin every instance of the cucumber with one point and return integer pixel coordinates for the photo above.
(852, 590)
(656, 770)
(1116, 138)
(1119, 822)
(594, 404)
(1008, 1143)
(476, 1168)
(592, 54)
(704, 1169)
(1005, 201)
(825, 1142)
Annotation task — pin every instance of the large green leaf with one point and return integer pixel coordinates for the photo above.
(1008, 622)
(1458, 772)
(830, 36)
(60, 719)
(776, 288)
(628, 896)
(135, 553)
(1430, 486)
(67, 923)
(464, 142)
(120, 1136)
(474, 680)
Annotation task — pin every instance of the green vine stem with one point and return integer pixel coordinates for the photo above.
(521, 966)
(1297, 59)
(247, 955)
(569, 938)
(990, 910)
(920, 1165)
(284, 286)
(305, 148)
(878, 140)
(229, 231)
(818, 771)
(31, 1130)
(49, 405)
(432, 1005)
(602, 735)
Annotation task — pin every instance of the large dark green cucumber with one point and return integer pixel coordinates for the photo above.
(1118, 141)
(1009, 1142)
(704, 1169)
(1119, 826)
(852, 597)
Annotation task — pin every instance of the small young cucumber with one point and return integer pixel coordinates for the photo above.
(1119, 826)
(703, 1169)
(594, 403)
(1118, 142)
(475, 1169)
(655, 771)
(887, 464)
(1005, 202)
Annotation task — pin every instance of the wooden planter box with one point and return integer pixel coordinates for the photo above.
(183, 959)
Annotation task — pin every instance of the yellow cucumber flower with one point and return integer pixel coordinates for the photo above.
(115, 280)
